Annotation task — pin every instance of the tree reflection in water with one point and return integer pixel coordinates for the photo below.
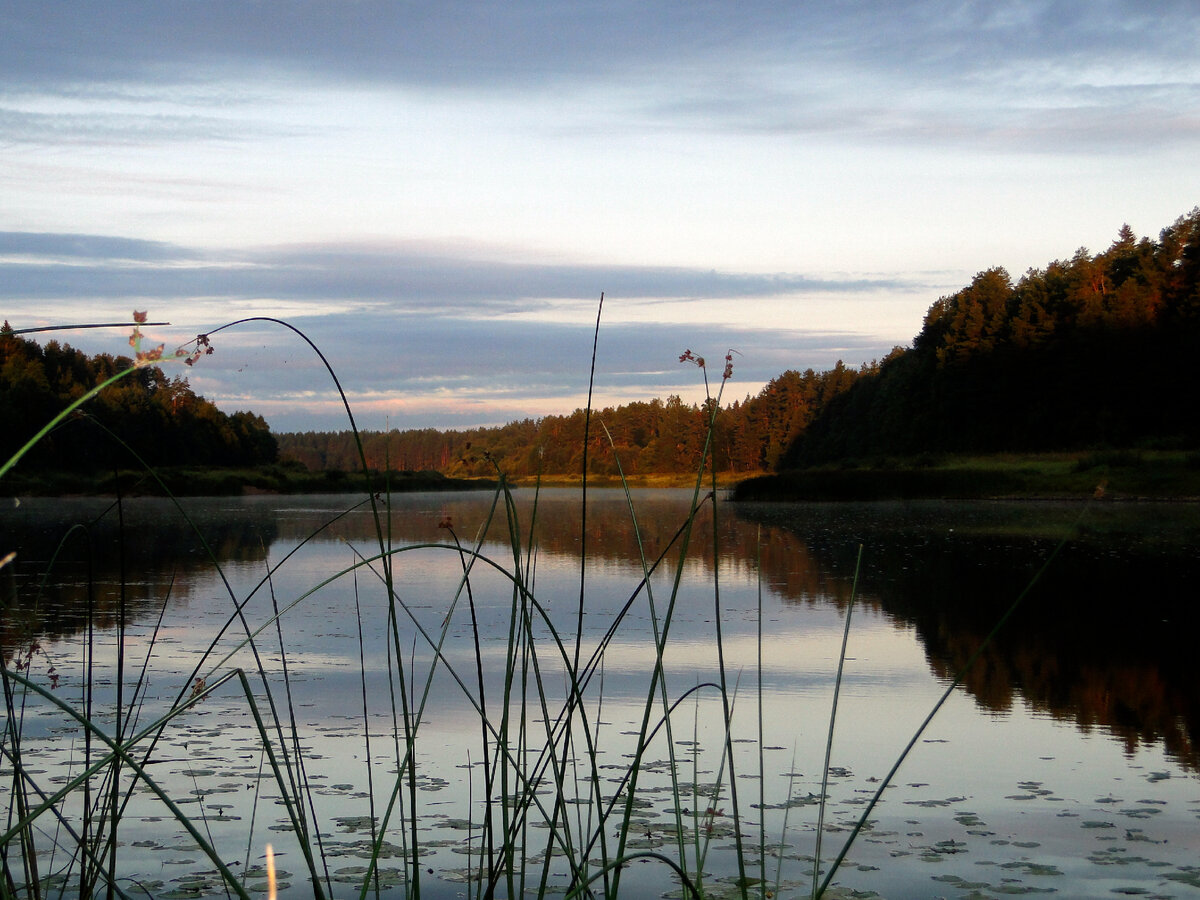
(1103, 638)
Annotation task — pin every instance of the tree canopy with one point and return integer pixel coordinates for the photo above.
(1096, 350)
(654, 437)
(160, 418)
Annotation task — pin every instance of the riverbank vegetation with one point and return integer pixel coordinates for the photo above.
(1112, 474)
(540, 734)
(1094, 352)
(659, 437)
(160, 419)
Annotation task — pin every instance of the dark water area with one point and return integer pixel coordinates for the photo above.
(72, 556)
(1107, 601)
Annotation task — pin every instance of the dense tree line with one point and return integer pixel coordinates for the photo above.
(652, 437)
(1094, 351)
(160, 418)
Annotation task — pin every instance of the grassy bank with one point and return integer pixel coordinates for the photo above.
(653, 480)
(188, 481)
(1119, 474)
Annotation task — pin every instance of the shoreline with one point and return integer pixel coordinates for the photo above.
(213, 482)
(1111, 476)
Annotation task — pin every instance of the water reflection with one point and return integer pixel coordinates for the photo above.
(81, 555)
(1102, 639)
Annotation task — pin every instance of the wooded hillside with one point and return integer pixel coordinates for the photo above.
(159, 417)
(1095, 351)
(658, 437)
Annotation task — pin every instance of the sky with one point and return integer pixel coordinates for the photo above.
(436, 194)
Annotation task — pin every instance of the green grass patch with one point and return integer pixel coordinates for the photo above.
(1125, 474)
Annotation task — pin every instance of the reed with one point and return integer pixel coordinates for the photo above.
(552, 817)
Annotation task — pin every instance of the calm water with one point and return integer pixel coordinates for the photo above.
(1065, 762)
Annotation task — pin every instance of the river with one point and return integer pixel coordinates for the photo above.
(1064, 759)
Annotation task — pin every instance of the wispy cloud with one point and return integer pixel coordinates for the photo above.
(423, 339)
(448, 373)
(39, 266)
(899, 71)
(48, 248)
(100, 127)
(524, 42)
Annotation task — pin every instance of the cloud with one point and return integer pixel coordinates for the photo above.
(526, 42)
(451, 44)
(1076, 118)
(101, 127)
(52, 246)
(919, 70)
(776, 168)
(464, 373)
(45, 266)
(425, 338)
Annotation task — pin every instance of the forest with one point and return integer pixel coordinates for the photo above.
(655, 437)
(1096, 351)
(161, 419)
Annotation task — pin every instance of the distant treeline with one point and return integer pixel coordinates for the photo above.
(655, 437)
(1091, 352)
(158, 417)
